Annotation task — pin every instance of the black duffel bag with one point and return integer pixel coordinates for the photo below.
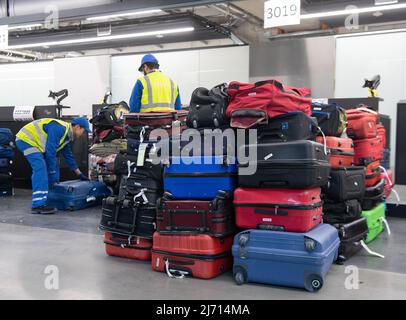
(208, 108)
(332, 119)
(110, 115)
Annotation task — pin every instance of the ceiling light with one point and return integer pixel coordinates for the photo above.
(124, 14)
(370, 33)
(352, 11)
(27, 26)
(102, 39)
(383, 2)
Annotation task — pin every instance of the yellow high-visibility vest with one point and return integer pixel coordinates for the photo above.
(159, 93)
(34, 134)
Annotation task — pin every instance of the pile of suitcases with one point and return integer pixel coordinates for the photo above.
(6, 155)
(108, 141)
(369, 145)
(129, 218)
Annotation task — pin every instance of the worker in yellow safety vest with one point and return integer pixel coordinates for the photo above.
(155, 91)
(40, 141)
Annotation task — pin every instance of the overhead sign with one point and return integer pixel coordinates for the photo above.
(3, 37)
(279, 13)
(23, 113)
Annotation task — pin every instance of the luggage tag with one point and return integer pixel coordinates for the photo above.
(141, 154)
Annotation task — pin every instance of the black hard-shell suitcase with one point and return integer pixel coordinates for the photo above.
(331, 118)
(208, 108)
(374, 196)
(288, 127)
(295, 165)
(208, 142)
(351, 234)
(341, 212)
(346, 183)
(129, 218)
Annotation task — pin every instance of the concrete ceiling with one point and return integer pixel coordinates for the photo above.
(225, 22)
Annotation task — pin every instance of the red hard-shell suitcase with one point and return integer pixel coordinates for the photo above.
(291, 210)
(341, 151)
(134, 248)
(199, 256)
(362, 123)
(367, 151)
(382, 135)
(373, 174)
(214, 217)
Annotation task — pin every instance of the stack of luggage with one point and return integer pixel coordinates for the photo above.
(108, 141)
(195, 217)
(6, 155)
(129, 218)
(369, 144)
(343, 194)
(278, 202)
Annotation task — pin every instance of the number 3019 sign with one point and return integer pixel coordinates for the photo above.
(280, 13)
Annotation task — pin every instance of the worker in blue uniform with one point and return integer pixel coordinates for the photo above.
(40, 141)
(155, 91)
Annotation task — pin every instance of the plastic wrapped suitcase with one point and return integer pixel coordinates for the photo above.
(341, 151)
(331, 118)
(351, 234)
(346, 183)
(134, 248)
(200, 256)
(375, 220)
(373, 174)
(367, 151)
(362, 123)
(199, 178)
(128, 218)
(208, 142)
(286, 259)
(208, 107)
(374, 195)
(288, 127)
(278, 209)
(214, 217)
(6, 152)
(297, 165)
(77, 195)
(341, 212)
(389, 183)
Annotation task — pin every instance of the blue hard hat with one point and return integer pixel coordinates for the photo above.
(82, 122)
(148, 58)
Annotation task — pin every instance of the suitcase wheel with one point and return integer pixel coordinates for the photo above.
(240, 276)
(314, 283)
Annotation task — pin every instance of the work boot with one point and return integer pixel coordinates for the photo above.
(43, 210)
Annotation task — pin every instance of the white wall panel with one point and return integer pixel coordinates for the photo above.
(190, 69)
(87, 80)
(26, 83)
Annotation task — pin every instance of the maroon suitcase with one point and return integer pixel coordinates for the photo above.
(291, 210)
(215, 217)
(367, 151)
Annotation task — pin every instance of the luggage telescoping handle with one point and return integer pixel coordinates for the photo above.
(126, 243)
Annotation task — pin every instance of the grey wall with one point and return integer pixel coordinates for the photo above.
(298, 62)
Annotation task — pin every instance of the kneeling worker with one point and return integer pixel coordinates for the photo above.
(40, 141)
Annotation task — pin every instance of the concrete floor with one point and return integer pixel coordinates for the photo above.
(72, 242)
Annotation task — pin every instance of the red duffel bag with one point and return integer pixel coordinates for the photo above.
(251, 104)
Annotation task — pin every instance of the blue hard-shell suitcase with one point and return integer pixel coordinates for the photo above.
(199, 178)
(6, 136)
(77, 195)
(285, 259)
(6, 152)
